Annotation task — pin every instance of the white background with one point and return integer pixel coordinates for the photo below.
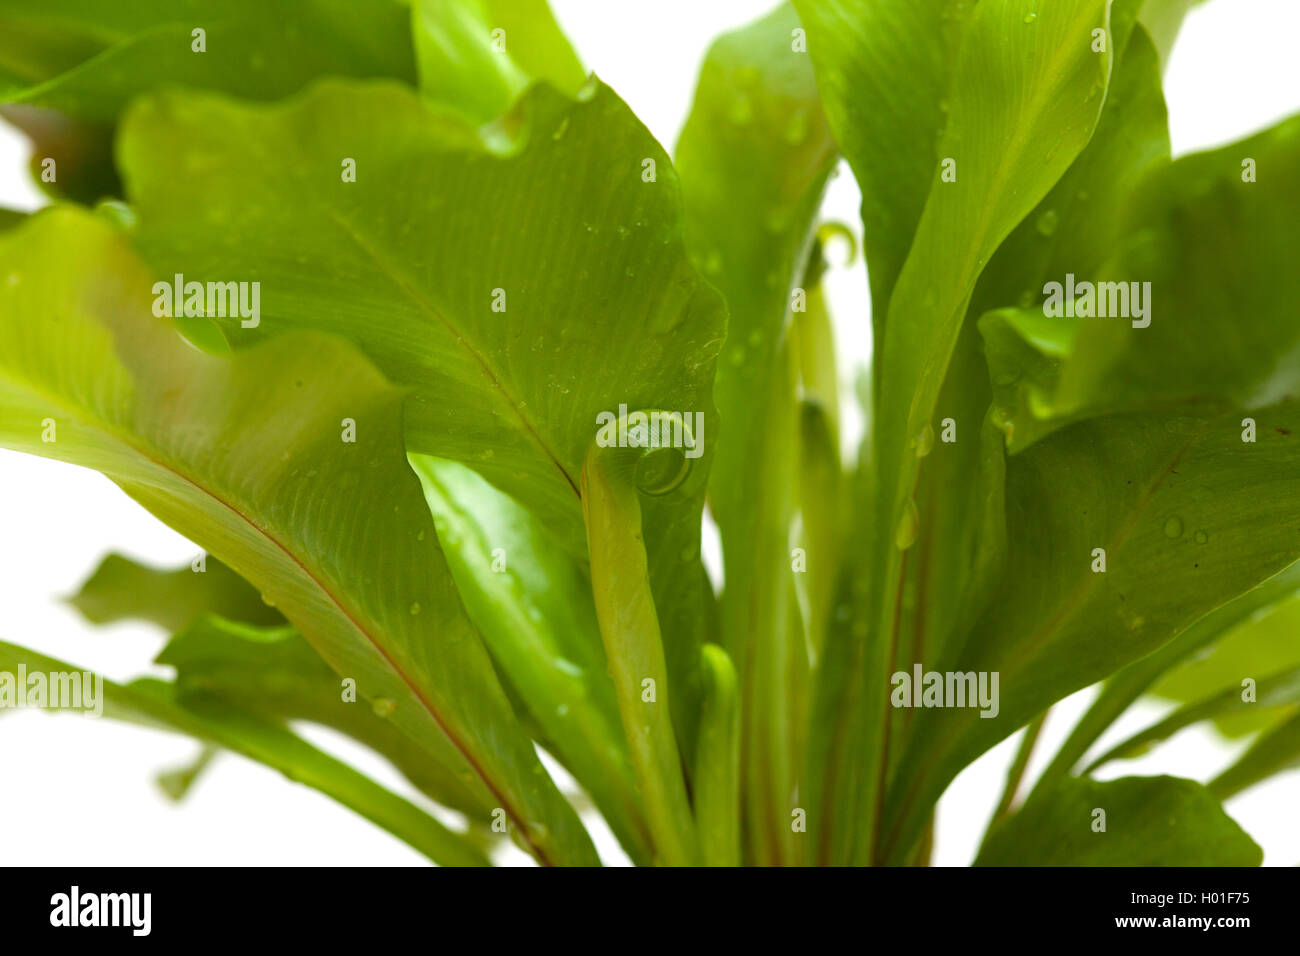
(81, 792)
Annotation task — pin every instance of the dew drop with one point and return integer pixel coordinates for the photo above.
(383, 706)
(736, 357)
(924, 441)
(1047, 223)
(796, 130)
(415, 608)
(1001, 419)
(1174, 527)
(777, 220)
(1202, 537)
(568, 667)
(539, 833)
(118, 213)
(1030, 17)
(742, 111)
(561, 129)
(908, 524)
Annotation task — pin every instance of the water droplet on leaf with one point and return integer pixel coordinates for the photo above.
(924, 441)
(568, 667)
(796, 130)
(777, 220)
(1001, 419)
(742, 111)
(908, 524)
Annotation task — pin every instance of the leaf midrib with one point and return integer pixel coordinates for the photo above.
(412, 292)
(973, 267)
(1043, 94)
(1071, 601)
(115, 435)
